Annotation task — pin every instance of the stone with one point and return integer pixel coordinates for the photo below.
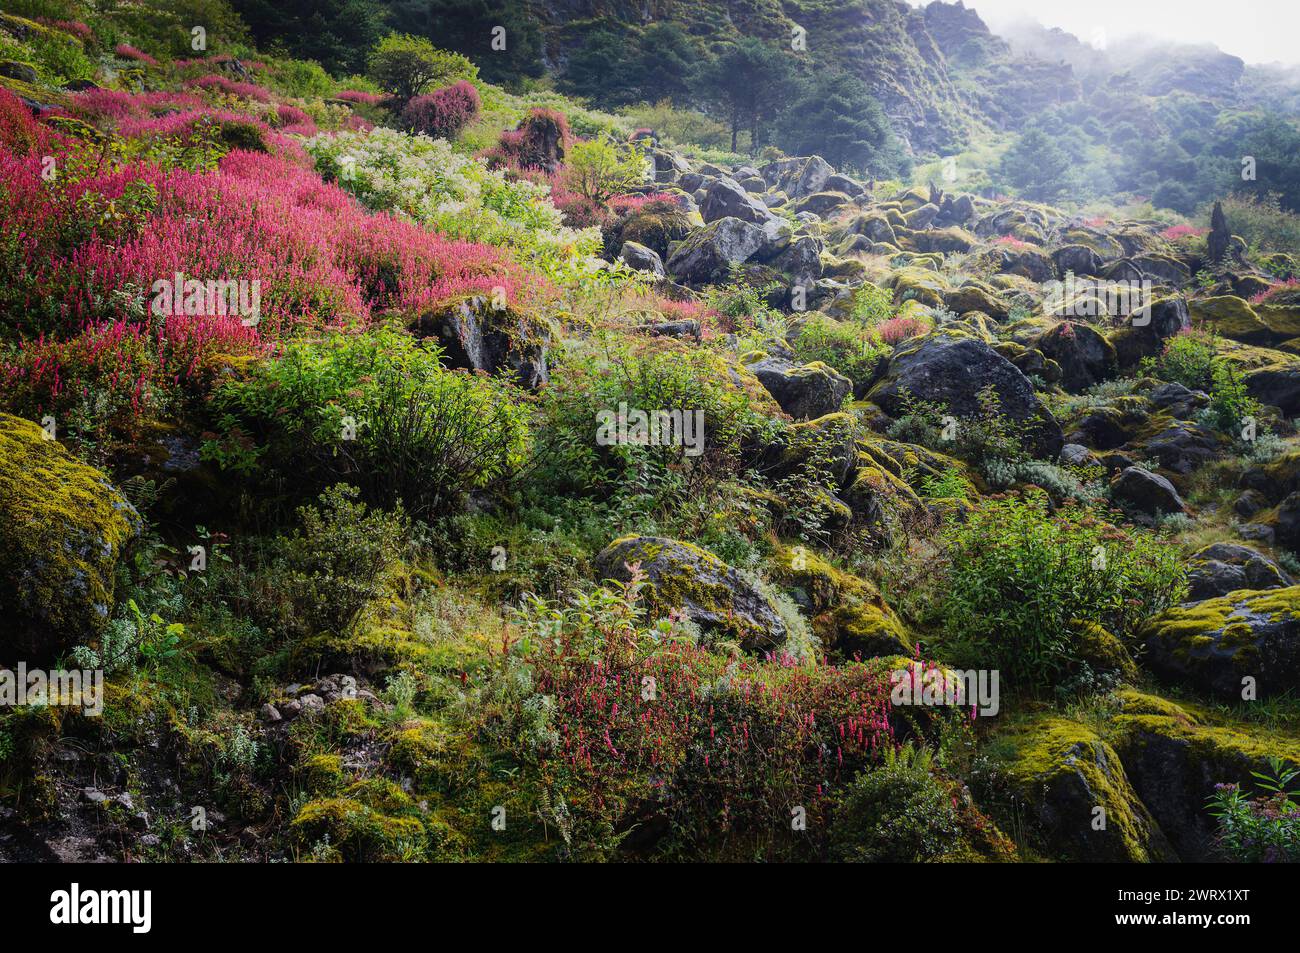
(682, 576)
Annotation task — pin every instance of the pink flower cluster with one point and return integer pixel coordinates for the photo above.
(294, 122)
(1263, 297)
(319, 259)
(896, 330)
(129, 52)
(443, 113)
(220, 84)
(1174, 232)
(74, 27)
(115, 106)
(360, 98)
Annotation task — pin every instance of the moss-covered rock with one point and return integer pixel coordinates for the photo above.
(63, 528)
(848, 614)
(356, 830)
(1175, 753)
(1061, 773)
(1232, 317)
(1104, 653)
(917, 284)
(1216, 644)
(682, 576)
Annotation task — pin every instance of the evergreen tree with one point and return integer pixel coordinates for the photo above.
(1038, 168)
(748, 81)
(471, 27)
(837, 118)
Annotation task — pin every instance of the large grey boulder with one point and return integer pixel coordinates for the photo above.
(950, 370)
(1216, 643)
(1226, 567)
(477, 337)
(798, 177)
(1141, 492)
(806, 392)
(705, 255)
(724, 198)
(640, 258)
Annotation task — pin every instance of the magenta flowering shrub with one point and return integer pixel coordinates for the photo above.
(127, 51)
(443, 113)
(361, 98)
(113, 106)
(74, 27)
(293, 121)
(91, 248)
(219, 84)
(896, 330)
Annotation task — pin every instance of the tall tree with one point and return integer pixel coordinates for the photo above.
(603, 68)
(748, 83)
(837, 118)
(1038, 167)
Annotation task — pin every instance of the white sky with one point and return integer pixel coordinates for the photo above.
(1259, 31)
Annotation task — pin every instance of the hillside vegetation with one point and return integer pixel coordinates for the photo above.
(447, 458)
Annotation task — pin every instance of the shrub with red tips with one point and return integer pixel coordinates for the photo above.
(443, 113)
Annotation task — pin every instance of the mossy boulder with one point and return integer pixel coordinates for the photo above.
(477, 336)
(1104, 653)
(63, 528)
(806, 392)
(1231, 317)
(1075, 793)
(707, 253)
(848, 614)
(1216, 644)
(1175, 754)
(356, 830)
(712, 594)
(1086, 358)
(1282, 319)
(830, 440)
(951, 370)
(917, 284)
(976, 298)
(1222, 568)
(881, 500)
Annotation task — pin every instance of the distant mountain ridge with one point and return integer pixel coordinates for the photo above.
(939, 71)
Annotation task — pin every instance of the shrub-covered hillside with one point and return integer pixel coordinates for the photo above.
(415, 462)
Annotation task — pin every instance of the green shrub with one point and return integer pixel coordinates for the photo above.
(332, 567)
(1262, 222)
(896, 813)
(656, 376)
(1022, 578)
(598, 170)
(1188, 359)
(407, 65)
(989, 439)
(850, 348)
(377, 410)
(1230, 404)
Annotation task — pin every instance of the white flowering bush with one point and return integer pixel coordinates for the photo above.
(426, 180)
